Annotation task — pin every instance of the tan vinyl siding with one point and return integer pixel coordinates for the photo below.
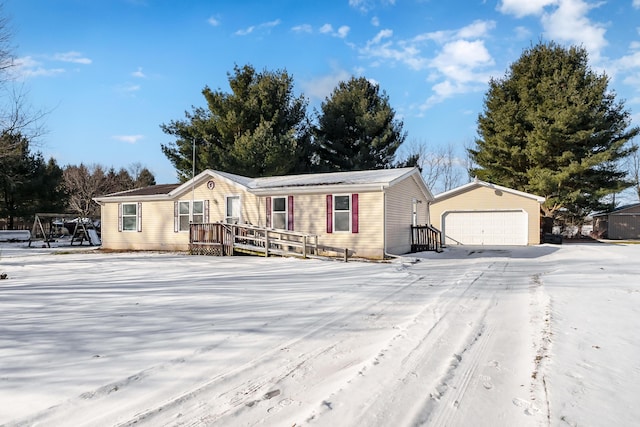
(310, 217)
(399, 208)
(158, 219)
(487, 199)
(157, 229)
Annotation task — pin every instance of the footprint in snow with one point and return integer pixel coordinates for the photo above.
(529, 407)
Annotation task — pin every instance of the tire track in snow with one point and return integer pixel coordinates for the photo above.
(421, 365)
(242, 393)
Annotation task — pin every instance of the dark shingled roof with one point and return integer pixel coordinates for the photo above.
(147, 191)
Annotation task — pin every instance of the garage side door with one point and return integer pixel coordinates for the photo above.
(485, 228)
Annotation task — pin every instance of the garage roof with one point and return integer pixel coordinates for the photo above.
(476, 183)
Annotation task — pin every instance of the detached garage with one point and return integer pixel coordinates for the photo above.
(480, 213)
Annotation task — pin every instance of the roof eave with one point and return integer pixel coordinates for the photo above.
(319, 188)
(139, 198)
(478, 183)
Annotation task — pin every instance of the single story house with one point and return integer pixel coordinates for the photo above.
(368, 212)
(621, 223)
(481, 213)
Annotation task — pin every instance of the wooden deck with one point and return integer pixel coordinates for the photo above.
(222, 239)
(227, 239)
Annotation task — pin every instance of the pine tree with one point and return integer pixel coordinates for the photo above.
(552, 127)
(357, 129)
(259, 129)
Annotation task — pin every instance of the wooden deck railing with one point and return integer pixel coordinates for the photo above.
(225, 239)
(425, 238)
(210, 239)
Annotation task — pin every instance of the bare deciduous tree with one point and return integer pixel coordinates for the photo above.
(441, 169)
(83, 184)
(17, 117)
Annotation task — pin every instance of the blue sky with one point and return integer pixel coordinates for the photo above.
(109, 72)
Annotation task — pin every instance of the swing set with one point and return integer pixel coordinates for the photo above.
(48, 227)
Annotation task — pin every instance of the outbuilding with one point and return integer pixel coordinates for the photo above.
(368, 212)
(481, 213)
(621, 223)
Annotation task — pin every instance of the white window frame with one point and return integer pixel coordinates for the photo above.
(275, 213)
(191, 216)
(349, 212)
(226, 207)
(127, 216)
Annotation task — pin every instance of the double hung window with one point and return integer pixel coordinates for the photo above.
(190, 211)
(279, 214)
(129, 217)
(342, 213)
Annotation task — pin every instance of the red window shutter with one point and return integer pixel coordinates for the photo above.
(354, 213)
(290, 214)
(139, 216)
(268, 208)
(119, 216)
(329, 213)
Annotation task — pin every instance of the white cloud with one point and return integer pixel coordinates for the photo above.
(458, 60)
(213, 21)
(569, 23)
(266, 26)
(384, 34)
(74, 57)
(460, 63)
(401, 51)
(342, 31)
(477, 29)
(321, 87)
(304, 28)
(522, 33)
(128, 88)
(362, 5)
(520, 8)
(636, 4)
(139, 74)
(326, 29)
(129, 139)
(375, 21)
(26, 67)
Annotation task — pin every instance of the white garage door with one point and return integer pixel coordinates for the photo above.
(485, 228)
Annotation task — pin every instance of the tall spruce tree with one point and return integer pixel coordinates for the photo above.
(259, 129)
(552, 127)
(357, 128)
(28, 184)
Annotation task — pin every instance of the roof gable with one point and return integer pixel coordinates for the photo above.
(476, 183)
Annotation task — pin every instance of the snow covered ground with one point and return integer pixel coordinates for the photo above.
(544, 335)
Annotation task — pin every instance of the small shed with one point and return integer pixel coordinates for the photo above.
(368, 212)
(621, 223)
(481, 213)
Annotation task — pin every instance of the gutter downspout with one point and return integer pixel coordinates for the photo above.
(384, 226)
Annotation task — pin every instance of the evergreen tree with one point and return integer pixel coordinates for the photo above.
(551, 127)
(259, 129)
(357, 129)
(145, 179)
(28, 184)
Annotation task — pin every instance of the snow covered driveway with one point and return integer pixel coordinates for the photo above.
(542, 335)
